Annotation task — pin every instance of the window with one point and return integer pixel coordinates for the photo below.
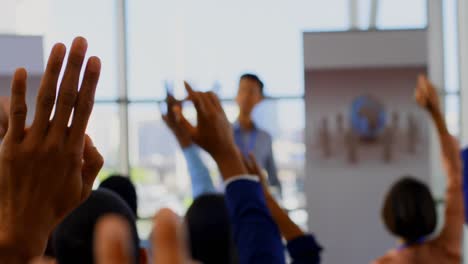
(451, 66)
(210, 43)
(397, 14)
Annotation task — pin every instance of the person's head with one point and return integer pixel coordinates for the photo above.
(124, 188)
(209, 230)
(409, 210)
(73, 238)
(250, 93)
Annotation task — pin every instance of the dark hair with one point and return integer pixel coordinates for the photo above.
(409, 210)
(73, 238)
(123, 187)
(209, 229)
(253, 77)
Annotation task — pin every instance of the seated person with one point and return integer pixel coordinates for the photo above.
(209, 231)
(113, 233)
(73, 238)
(303, 248)
(124, 187)
(409, 210)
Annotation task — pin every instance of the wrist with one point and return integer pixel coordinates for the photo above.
(184, 143)
(22, 246)
(183, 139)
(230, 163)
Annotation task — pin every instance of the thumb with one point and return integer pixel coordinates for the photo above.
(92, 164)
(186, 126)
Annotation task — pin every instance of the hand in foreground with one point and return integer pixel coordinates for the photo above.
(177, 122)
(168, 240)
(47, 170)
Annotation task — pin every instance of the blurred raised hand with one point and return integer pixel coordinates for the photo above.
(214, 133)
(168, 240)
(426, 94)
(176, 122)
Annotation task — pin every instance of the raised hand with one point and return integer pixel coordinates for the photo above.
(428, 98)
(177, 122)
(168, 240)
(214, 133)
(426, 94)
(112, 241)
(47, 170)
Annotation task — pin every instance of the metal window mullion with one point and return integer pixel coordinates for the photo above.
(374, 11)
(353, 14)
(124, 156)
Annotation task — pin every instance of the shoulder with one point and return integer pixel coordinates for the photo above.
(386, 259)
(383, 260)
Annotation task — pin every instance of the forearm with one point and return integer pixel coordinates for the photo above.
(449, 151)
(289, 230)
(20, 251)
(12, 256)
(439, 122)
(199, 174)
(230, 164)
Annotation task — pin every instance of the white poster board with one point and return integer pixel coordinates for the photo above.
(347, 179)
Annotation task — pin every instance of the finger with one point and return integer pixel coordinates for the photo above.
(112, 241)
(170, 99)
(188, 88)
(92, 164)
(171, 103)
(208, 103)
(4, 115)
(85, 101)
(215, 101)
(69, 87)
(47, 92)
(168, 239)
(199, 103)
(18, 108)
(186, 126)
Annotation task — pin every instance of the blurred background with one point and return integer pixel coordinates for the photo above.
(146, 44)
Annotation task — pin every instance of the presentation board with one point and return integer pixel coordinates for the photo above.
(364, 131)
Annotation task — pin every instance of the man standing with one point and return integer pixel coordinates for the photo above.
(248, 137)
